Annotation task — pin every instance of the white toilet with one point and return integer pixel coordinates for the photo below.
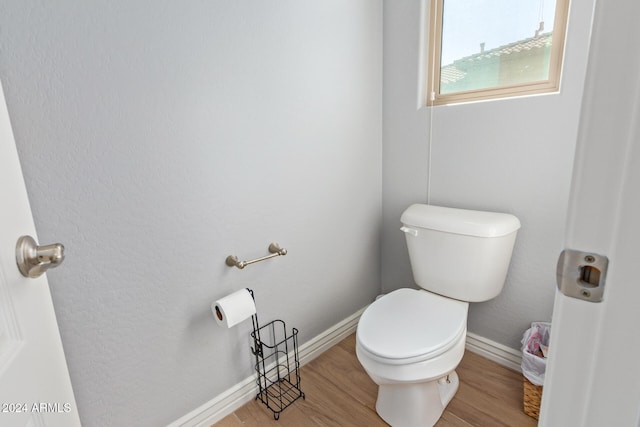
(410, 341)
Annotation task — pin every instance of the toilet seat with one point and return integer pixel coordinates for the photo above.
(408, 326)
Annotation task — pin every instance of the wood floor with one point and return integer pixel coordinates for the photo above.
(340, 393)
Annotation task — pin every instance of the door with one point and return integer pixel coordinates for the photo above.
(35, 389)
(593, 373)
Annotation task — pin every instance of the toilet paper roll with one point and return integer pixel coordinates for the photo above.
(234, 308)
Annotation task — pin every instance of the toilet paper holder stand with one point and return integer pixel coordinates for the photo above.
(277, 364)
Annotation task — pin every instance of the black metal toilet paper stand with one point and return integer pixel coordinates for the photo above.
(277, 364)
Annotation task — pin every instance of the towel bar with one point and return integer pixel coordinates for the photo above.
(274, 249)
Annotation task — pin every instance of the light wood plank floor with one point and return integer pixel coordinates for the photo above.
(340, 393)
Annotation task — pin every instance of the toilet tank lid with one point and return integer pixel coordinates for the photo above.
(460, 221)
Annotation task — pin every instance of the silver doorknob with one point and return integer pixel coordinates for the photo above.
(34, 260)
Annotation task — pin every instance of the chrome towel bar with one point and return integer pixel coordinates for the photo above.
(274, 249)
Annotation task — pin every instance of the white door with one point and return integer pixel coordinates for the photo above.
(35, 389)
(593, 373)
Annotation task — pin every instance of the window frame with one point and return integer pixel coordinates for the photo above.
(552, 84)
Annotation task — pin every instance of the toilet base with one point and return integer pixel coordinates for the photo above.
(416, 404)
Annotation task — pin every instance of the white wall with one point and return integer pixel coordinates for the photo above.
(157, 138)
(511, 156)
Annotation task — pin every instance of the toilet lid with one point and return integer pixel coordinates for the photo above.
(410, 324)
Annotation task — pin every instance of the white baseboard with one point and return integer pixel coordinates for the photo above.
(245, 391)
(494, 351)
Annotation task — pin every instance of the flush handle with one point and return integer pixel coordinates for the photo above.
(582, 274)
(34, 260)
(409, 230)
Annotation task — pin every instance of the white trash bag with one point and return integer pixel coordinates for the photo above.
(535, 344)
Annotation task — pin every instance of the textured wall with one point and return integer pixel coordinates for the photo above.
(158, 137)
(405, 135)
(511, 155)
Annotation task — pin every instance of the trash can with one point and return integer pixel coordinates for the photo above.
(535, 347)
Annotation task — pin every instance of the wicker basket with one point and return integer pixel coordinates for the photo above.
(532, 396)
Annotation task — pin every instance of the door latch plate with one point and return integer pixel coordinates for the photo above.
(582, 274)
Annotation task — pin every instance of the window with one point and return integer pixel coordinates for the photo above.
(483, 49)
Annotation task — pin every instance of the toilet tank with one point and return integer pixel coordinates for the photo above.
(459, 253)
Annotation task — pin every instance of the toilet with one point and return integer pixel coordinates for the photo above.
(411, 340)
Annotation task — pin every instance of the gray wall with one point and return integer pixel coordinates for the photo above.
(511, 155)
(158, 137)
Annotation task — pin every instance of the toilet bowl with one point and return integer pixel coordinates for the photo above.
(411, 341)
